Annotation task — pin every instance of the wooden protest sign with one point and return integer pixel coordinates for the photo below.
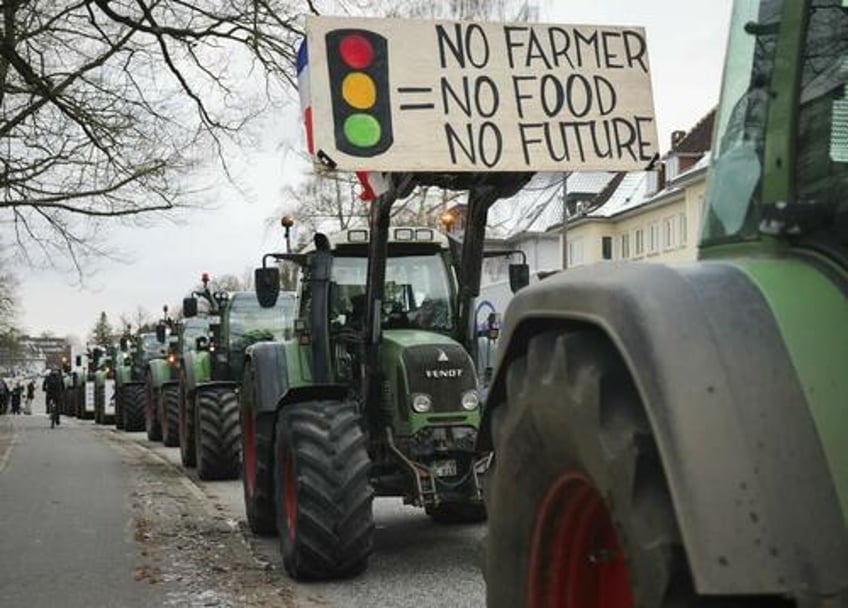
(414, 95)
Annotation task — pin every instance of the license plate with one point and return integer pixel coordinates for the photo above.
(444, 468)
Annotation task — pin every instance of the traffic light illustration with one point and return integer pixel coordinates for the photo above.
(359, 86)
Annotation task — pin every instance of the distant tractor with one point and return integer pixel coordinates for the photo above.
(162, 381)
(129, 376)
(213, 371)
(104, 391)
(676, 435)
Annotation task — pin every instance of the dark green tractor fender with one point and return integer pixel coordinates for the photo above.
(197, 366)
(275, 386)
(749, 480)
(160, 372)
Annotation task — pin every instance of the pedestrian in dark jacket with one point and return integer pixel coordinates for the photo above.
(17, 393)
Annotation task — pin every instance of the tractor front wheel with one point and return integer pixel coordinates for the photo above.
(257, 461)
(169, 398)
(217, 433)
(133, 408)
(152, 422)
(580, 515)
(186, 424)
(323, 495)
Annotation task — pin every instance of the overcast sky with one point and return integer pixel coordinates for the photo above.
(160, 263)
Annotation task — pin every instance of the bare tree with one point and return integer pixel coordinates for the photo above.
(107, 105)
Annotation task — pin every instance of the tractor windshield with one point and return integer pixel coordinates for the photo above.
(250, 323)
(417, 292)
(735, 205)
(150, 347)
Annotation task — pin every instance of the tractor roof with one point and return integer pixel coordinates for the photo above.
(409, 235)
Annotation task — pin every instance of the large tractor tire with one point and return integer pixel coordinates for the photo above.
(186, 425)
(169, 399)
(152, 421)
(580, 514)
(133, 407)
(257, 449)
(323, 495)
(457, 513)
(217, 433)
(119, 408)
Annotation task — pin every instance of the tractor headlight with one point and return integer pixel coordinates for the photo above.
(422, 403)
(470, 400)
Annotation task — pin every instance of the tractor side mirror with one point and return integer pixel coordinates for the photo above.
(189, 307)
(267, 281)
(519, 276)
(160, 333)
(201, 343)
(78, 361)
(95, 356)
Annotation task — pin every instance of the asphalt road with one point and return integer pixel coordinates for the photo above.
(65, 538)
(73, 501)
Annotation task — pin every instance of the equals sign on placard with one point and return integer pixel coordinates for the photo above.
(416, 91)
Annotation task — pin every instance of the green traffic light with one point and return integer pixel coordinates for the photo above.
(362, 130)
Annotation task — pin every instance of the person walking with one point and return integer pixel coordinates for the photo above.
(17, 393)
(30, 395)
(4, 396)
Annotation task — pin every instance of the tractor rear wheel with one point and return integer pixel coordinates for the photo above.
(217, 433)
(186, 424)
(257, 449)
(169, 398)
(133, 406)
(323, 495)
(580, 515)
(457, 513)
(152, 422)
(119, 408)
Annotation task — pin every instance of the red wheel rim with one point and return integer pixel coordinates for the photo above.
(249, 450)
(575, 558)
(290, 495)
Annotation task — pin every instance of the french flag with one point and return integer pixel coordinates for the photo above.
(303, 91)
(373, 184)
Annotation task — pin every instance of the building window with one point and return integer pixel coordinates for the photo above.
(669, 232)
(639, 241)
(681, 221)
(654, 237)
(624, 247)
(606, 247)
(575, 252)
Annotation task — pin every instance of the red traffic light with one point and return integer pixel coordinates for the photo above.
(356, 51)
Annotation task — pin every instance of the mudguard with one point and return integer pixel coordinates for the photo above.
(281, 377)
(160, 373)
(750, 482)
(197, 366)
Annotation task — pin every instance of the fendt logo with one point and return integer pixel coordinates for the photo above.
(443, 373)
(443, 357)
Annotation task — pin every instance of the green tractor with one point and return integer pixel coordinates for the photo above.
(104, 390)
(675, 435)
(87, 382)
(162, 381)
(188, 331)
(212, 373)
(130, 399)
(375, 392)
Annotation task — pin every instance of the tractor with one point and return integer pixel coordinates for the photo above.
(87, 382)
(188, 331)
(675, 435)
(130, 399)
(104, 390)
(212, 372)
(162, 381)
(375, 392)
